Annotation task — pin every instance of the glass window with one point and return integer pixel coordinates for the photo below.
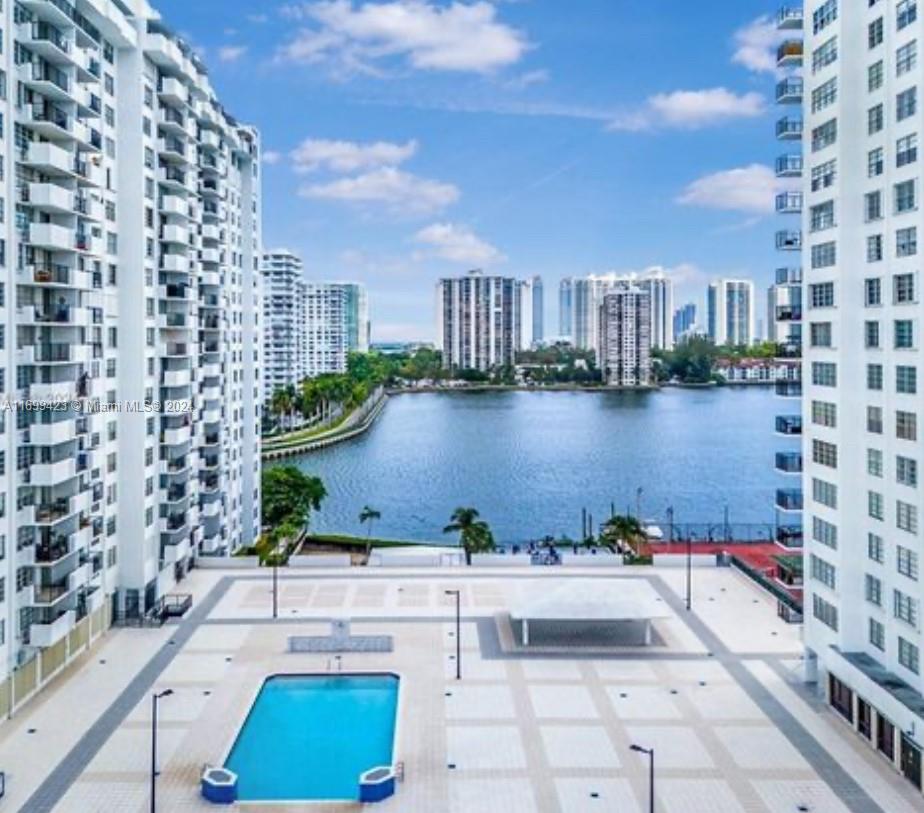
(874, 462)
(906, 103)
(875, 119)
(906, 516)
(875, 548)
(906, 58)
(875, 162)
(906, 471)
(906, 243)
(906, 12)
(874, 248)
(874, 377)
(906, 150)
(904, 334)
(872, 291)
(905, 197)
(908, 655)
(875, 33)
(874, 76)
(906, 379)
(906, 425)
(871, 334)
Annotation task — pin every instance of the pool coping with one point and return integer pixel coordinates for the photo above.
(395, 743)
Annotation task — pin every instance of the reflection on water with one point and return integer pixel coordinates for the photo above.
(530, 461)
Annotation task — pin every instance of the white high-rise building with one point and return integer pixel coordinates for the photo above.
(131, 246)
(565, 307)
(624, 342)
(660, 288)
(730, 312)
(531, 312)
(862, 411)
(478, 321)
(326, 343)
(285, 338)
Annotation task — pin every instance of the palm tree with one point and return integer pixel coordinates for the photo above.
(474, 534)
(282, 402)
(625, 528)
(370, 515)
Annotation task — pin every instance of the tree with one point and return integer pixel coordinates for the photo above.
(474, 534)
(283, 402)
(289, 496)
(624, 528)
(369, 515)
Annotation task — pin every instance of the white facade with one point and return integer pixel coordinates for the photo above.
(624, 342)
(326, 340)
(532, 319)
(730, 312)
(862, 409)
(131, 244)
(478, 321)
(285, 339)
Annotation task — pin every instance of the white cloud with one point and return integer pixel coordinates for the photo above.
(525, 80)
(352, 37)
(755, 45)
(271, 157)
(348, 156)
(691, 109)
(749, 189)
(456, 243)
(399, 192)
(231, 53)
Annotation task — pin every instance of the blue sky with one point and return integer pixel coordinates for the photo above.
(408, 139)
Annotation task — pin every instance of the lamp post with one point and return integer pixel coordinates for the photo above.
(638, 504)
(458, 595)
(275, 588)
(651, 792)
(154, 700)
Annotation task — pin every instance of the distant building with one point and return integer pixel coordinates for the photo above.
(283, 320)
(565, 310)
(730, 312)
(356, 315)
(478, 321)
(684, 320)
(538, 303)
(531, 312)
(660, 290)
(784, 308)
(624, 337)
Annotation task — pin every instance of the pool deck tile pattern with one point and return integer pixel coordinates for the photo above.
(733, 730)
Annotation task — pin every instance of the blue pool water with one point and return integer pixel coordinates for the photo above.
(311, 736)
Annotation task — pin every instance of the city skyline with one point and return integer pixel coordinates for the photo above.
(380, 180)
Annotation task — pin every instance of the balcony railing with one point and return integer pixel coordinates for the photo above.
(788, 313)
(789, 424)
(789, 18)
(789, 91)
(789, 462)
(789, 499)
(789, 166)
(789, 203)
(789, 240)
(788, 389)
(789, 53)
(789, 535)
(789, 128)
(788, 275)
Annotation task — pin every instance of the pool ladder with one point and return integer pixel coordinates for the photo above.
(399, 771)
(335, 664)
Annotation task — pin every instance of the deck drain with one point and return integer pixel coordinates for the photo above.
(207, 693)
(31, 730)
(594, 795)
(102, 662)
(228, 660)
(448, 694)
(803, 808)
(702, 683)
(623, 694)
(451, 766)
(673, 691)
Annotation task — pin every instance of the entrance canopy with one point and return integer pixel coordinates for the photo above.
(594, 602)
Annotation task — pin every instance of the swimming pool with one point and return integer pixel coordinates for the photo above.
(311, 736)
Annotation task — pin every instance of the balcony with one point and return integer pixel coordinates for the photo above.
(209, 139)
(52, 474)
(174, 205)
(46, 79)
(176, 378)
(173, 91)
(60, 353)
(173, 149)
(174, 467)
(52, 434)
(172, 178)
(789, 203)
(789, 129)
(790, 349)
(172, 121)
(48, 158)
(49, 197)
(789, 425)
(789, 499)
(211, 370)
(788, 276)
(176, 436)
(89, 208)
(789, 91)
(789, 536)
(789, 166)
(789, 462)
(46, 41)
(789, 54)
(176, 321)
(210, 255)
(174, 263)
(177, 235)
(789, 19)
(789, 240)
(45, 635)
(52, 237)
(788, 389)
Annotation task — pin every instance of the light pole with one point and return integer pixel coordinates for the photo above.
(670, 524)
(154, 699)
(275, 588)
(458, 595)
(638, 504)
(651, 793)
(689, 569)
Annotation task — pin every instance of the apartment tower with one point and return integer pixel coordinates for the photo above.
(624, 341)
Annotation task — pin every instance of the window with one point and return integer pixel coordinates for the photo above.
(875, 548)
(875, 162)
(821, 295)
(871, 335)
(906, 516)
(906, 58)
(906, 561)
(874, 248)
(824, 135)
(906, 243)
(872, 206)
(875, 505)
(906, 12)
(906, 379)
(824, 175)
(904, 334)
(824, 453)
(877, 634)
(824, 532)
(908, 655)
(874, 377)
(906, 150)
(872, 589)
(824, 95)
(906, 471)
(906, 104)
(875, 119)
(904, 607)
(824, 55)
(822, 216)
(824, 15)
(826, 613)
(824, 413)
(824, 374)
(905, 199)
(824, 255)
(824, 493)
(874, 76)
(874, 462)
(874, 33)
(874, 420)
(872, 293)
(906, 425)
(820, 334)
(823, 571)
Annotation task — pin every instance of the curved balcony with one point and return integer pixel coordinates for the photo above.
(789, 54)
(789, 425)
(789, 128)
(789, 19)
(789, 240)
(789, 499)
(789, 536)
(789, 203)
(788, 462)
(789, 91)
(789, 166)
(788, 389)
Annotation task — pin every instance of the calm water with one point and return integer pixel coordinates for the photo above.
(530, 461)
(311, 737)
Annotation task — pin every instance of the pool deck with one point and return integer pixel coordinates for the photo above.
(733, 729)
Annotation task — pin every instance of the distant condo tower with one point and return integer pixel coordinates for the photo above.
(684, 320)
(565, 307)
(624, 340)
(730, 312)
(479, 321)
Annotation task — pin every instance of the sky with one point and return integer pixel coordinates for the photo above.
(405, 140)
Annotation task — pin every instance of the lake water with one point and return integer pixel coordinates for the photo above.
(530, 461)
